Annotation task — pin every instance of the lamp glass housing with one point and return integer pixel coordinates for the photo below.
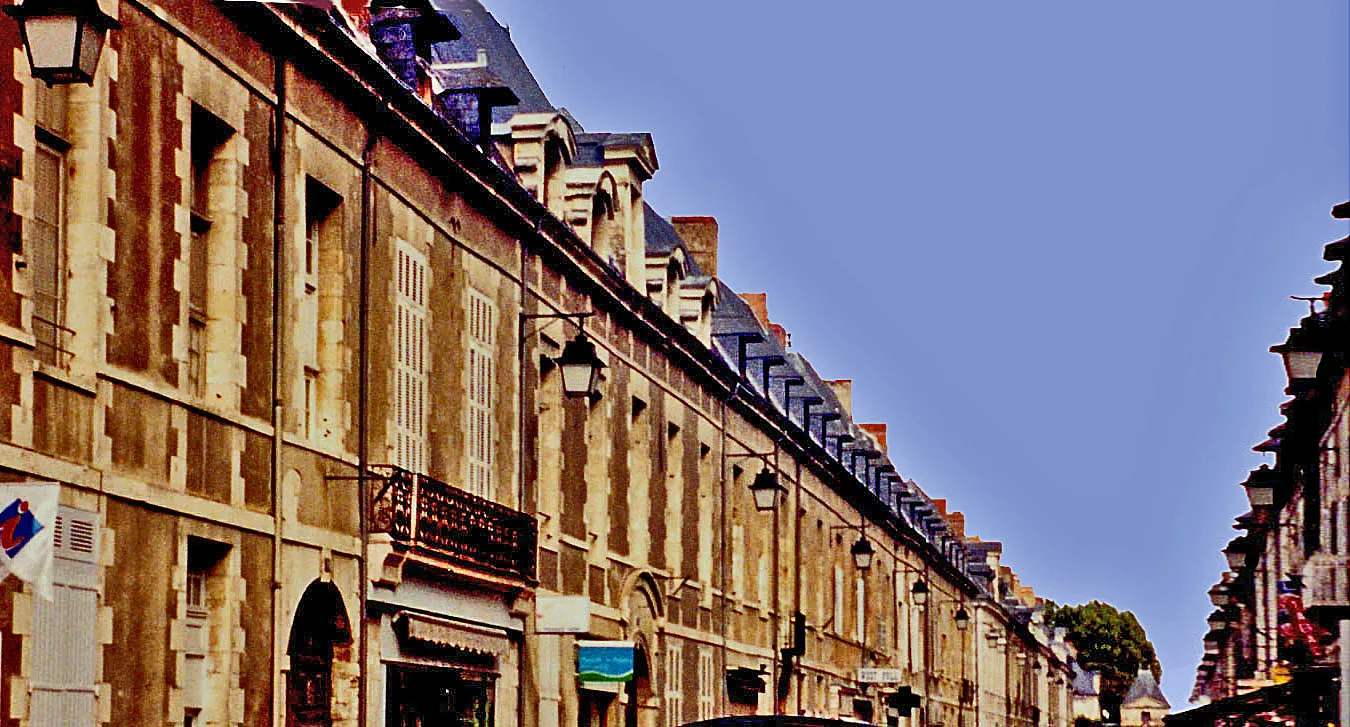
(1236, 559)
(1217, 620)
(1301, 365)
(766, 490)
(919, 592)
(862, 553)
(1260, 487)
(1218, 595)
(962, 618)
(580, 367)
(63, 38)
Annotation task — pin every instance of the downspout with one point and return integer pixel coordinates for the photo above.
(797, 574)
(722, 556)
(778, 676)
(520, 451)
(278, 265)
(362, 416)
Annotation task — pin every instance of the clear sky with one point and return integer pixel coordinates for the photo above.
(1049, 240)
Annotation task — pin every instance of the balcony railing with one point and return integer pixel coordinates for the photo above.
(449, 523)
(1326, 582)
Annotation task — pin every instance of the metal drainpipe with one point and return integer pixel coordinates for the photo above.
(278, 266)
(362, 416)
(797, 569)
(722, 555)
(777, 659)
(521, 358)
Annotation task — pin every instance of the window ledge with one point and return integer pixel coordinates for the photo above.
(17, 336)
(87, 385)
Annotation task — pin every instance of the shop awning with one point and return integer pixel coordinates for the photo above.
(429, 630)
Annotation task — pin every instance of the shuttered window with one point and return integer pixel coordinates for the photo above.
(707, 683)
(481, 394)
(838, 614)
(410, 370)
(674, 684)
(64, 636)
(46, 253)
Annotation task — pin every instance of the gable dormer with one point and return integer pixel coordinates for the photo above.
(542, 148)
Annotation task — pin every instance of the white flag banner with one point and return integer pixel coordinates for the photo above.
(28, 531)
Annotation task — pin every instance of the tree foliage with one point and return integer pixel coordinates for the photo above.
(1108, 641)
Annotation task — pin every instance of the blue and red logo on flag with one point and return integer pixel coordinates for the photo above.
(17, 527)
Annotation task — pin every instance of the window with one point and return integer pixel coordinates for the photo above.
(204, 609)
(320, 223)
(674, 684)
(707, 683)
(837, 615)
(64, 634)
(208, 136)
(860, 608)
(410, 396)
(47, 254)
(481, 395)
(738, 560)
(311, 402)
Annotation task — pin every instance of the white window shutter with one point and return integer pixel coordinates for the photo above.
(410, 368)
(64, 629)
(478, 381)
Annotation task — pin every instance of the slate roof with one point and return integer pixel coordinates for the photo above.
(1083, 682)
(662, 239)
(1144, 690)
(481, 30)
(476, 78)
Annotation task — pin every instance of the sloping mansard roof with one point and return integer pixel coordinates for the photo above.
(1144, 691)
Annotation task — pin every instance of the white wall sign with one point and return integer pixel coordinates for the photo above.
(878, 676)
(562, 614)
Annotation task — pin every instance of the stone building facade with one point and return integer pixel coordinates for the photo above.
(283, 297)
(1276, 647)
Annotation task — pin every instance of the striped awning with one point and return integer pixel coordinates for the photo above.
(425, 629)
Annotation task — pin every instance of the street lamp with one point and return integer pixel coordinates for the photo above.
(63, 38)
(1260, 486)
(919, 592)
(766, 490)
(1236, 554)
(1218, 595)
(862, 553)
(580, 367)
(1217, 620)
(1302, 351)
(962, 618)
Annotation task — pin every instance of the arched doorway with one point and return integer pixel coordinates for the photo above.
(320, 623)
(638, 690)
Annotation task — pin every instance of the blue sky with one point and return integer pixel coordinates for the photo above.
(1050, 241)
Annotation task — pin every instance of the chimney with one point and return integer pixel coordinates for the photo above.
(357, 13)
(392, 32)
(878, 432)
(941, 505)
(1027, 595)
(957, 522)
(759, 303)
(700, 238)
(843, 391)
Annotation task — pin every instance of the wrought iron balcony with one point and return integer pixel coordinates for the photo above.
(446, 523)
(1326, 586)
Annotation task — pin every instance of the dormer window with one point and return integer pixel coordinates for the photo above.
(606, 236)
(554, 165)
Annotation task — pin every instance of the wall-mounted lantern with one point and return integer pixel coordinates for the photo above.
(580, 367)
(63, 38)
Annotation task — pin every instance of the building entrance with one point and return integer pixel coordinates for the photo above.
(436, 697)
